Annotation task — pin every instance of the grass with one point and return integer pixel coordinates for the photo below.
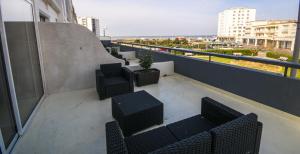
(247, 64)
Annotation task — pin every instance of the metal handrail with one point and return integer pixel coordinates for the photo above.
(286, 65)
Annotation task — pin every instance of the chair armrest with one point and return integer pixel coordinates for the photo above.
(99, 77)
(237, 136)
(115, 143)
(200, 144)
(217, 112)
(126, 73)
(99, 73)
(258, 137)
(100, 84)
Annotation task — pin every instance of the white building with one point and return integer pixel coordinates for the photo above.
(43, 10)
(91, 23)
(232, 23)
(278, 34)
(55, 11)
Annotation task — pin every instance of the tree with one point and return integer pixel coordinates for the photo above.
(137, 41)
(146, 61)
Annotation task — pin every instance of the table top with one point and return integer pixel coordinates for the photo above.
(136, 102)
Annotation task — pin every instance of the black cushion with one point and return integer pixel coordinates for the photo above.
(149, 141)
(197, 144)
(217, 112)
(115, 81)
(116, 86)
(111, 70)
(186, 128)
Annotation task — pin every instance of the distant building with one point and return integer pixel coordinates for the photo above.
(232, 23)
(56, 11)
(91, 23)
(279, 34)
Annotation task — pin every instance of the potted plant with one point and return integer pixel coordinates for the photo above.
(115, 53)
(146, 76)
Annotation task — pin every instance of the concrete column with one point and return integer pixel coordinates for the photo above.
(248, 41)
(277, 44)
(266, 43)
(296, 51)
(293, 45)
(255, 42)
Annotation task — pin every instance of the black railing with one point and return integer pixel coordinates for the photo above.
(286, 65)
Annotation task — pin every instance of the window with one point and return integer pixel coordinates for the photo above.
(43, 18)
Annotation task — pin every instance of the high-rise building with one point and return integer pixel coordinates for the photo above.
(232, 23)
(91, 23)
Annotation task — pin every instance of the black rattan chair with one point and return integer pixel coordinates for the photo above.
(218, 130)
(112, 80)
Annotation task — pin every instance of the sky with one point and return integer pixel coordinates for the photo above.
(174, 17)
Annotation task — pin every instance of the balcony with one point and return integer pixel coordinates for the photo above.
(74, 122)
(72, 119)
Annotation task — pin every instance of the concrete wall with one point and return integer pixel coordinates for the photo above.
(71, 54)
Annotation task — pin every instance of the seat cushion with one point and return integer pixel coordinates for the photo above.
(186, 128)
(116, 86)
(149, 141)
(110, 70)
(114, 81)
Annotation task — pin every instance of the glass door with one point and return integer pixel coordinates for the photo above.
(7, 121)
(21, 38)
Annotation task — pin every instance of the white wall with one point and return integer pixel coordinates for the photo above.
(9, 8)
(48, 11)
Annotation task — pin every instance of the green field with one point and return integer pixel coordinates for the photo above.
(247, 64)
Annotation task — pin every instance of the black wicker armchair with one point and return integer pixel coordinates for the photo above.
(219, 130)
(113, 79)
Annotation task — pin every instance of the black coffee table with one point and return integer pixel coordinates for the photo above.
(137, 111)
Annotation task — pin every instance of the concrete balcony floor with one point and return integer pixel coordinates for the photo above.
(74, 122)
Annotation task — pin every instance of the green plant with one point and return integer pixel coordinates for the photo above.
(114, 52)
(146, 61)
(245, 52)
(278, 54)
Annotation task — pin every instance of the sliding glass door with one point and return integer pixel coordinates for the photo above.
(7, 121)
(21, 38)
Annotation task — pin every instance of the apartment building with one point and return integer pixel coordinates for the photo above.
(274, 34)
(55, 11)
(232, 23)
(91, 23)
